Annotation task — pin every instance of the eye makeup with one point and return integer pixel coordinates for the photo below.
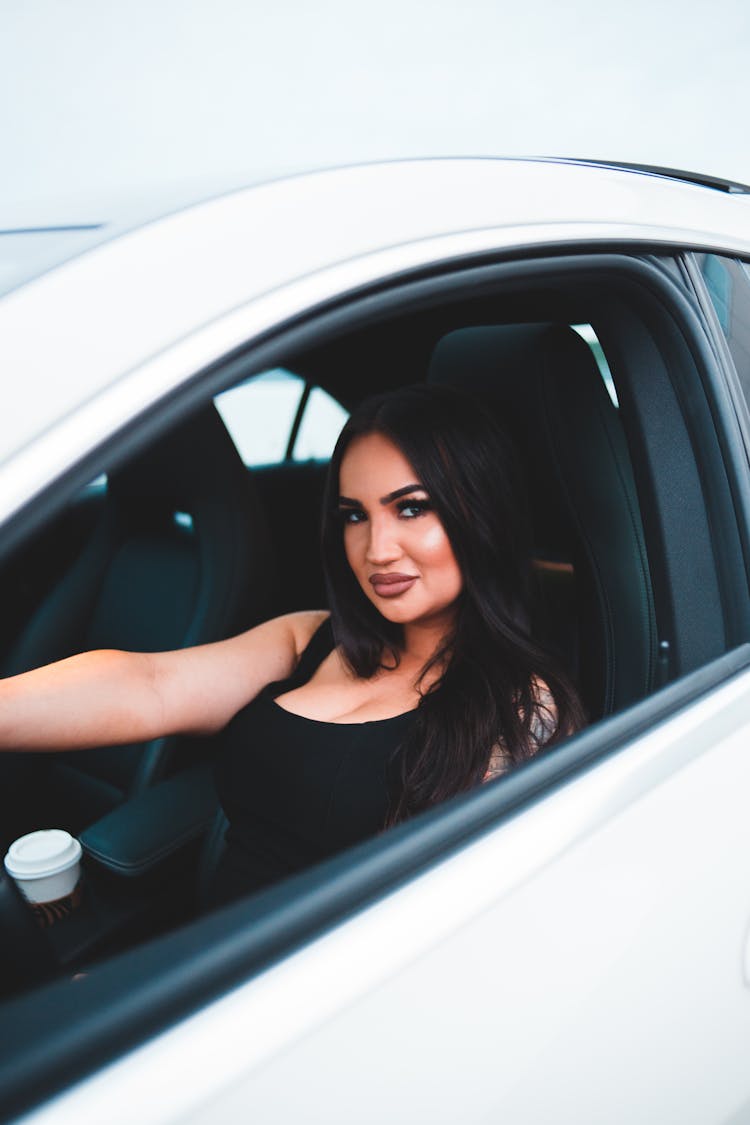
(416, 507)
(353, 511)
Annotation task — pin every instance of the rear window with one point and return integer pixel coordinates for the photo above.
(277, 416)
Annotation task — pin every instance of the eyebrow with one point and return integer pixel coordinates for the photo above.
(348, 502)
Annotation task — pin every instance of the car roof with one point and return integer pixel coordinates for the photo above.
(84, 325)
(36, 236)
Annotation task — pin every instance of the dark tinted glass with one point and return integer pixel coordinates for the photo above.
(728, 283)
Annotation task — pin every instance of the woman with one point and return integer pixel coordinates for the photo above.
(420, 683)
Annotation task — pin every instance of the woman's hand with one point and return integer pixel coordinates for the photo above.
(109, 698)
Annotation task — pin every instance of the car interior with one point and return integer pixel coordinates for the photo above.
(183, 542)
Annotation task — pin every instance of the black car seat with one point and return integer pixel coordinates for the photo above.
(295, 486)
(179, 557)
(543, 384)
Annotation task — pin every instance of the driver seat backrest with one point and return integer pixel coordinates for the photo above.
(543, 385)
(179, 557)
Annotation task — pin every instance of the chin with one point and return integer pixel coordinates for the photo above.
(397, 615)
(408, 615)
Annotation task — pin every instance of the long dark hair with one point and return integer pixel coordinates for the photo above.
(486, 699)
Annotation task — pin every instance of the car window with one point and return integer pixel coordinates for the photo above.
(321, 424)
(587, 333)
(728, 284)
(274, 417)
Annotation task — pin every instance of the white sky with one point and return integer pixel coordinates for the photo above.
(100, 100)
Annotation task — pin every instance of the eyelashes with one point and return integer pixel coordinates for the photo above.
(407, 510)
(411, 509)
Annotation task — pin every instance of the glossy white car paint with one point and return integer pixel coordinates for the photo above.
(90, 323)
(610, 881)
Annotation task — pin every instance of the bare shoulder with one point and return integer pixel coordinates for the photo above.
(543, 725)
(544, 717)
(287, 635)
(498, 764)
(304, 624)
(200, 689)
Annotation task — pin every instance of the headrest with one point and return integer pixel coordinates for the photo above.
(543, 382)
(478, 358)
(535, 379)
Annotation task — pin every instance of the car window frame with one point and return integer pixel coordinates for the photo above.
(294, 913)
(733, 407)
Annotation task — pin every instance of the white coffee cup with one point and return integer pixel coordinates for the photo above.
(46, 868)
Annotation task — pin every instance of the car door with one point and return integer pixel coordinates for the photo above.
(568, 942)
(588, 961)
(588, 958)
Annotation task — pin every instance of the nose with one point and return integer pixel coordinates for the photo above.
(382, 543)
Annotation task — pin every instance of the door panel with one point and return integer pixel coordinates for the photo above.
(607, 987)
(583, 961)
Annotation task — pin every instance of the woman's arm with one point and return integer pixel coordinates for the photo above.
(108, 698)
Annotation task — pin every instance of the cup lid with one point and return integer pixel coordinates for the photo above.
(40, 854)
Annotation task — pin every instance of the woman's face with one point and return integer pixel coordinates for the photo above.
(394, 541)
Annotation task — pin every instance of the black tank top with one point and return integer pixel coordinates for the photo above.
(297, 790)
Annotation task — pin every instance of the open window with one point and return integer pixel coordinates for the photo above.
(597, 365)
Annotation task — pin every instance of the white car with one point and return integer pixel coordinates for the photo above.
(570, 943)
